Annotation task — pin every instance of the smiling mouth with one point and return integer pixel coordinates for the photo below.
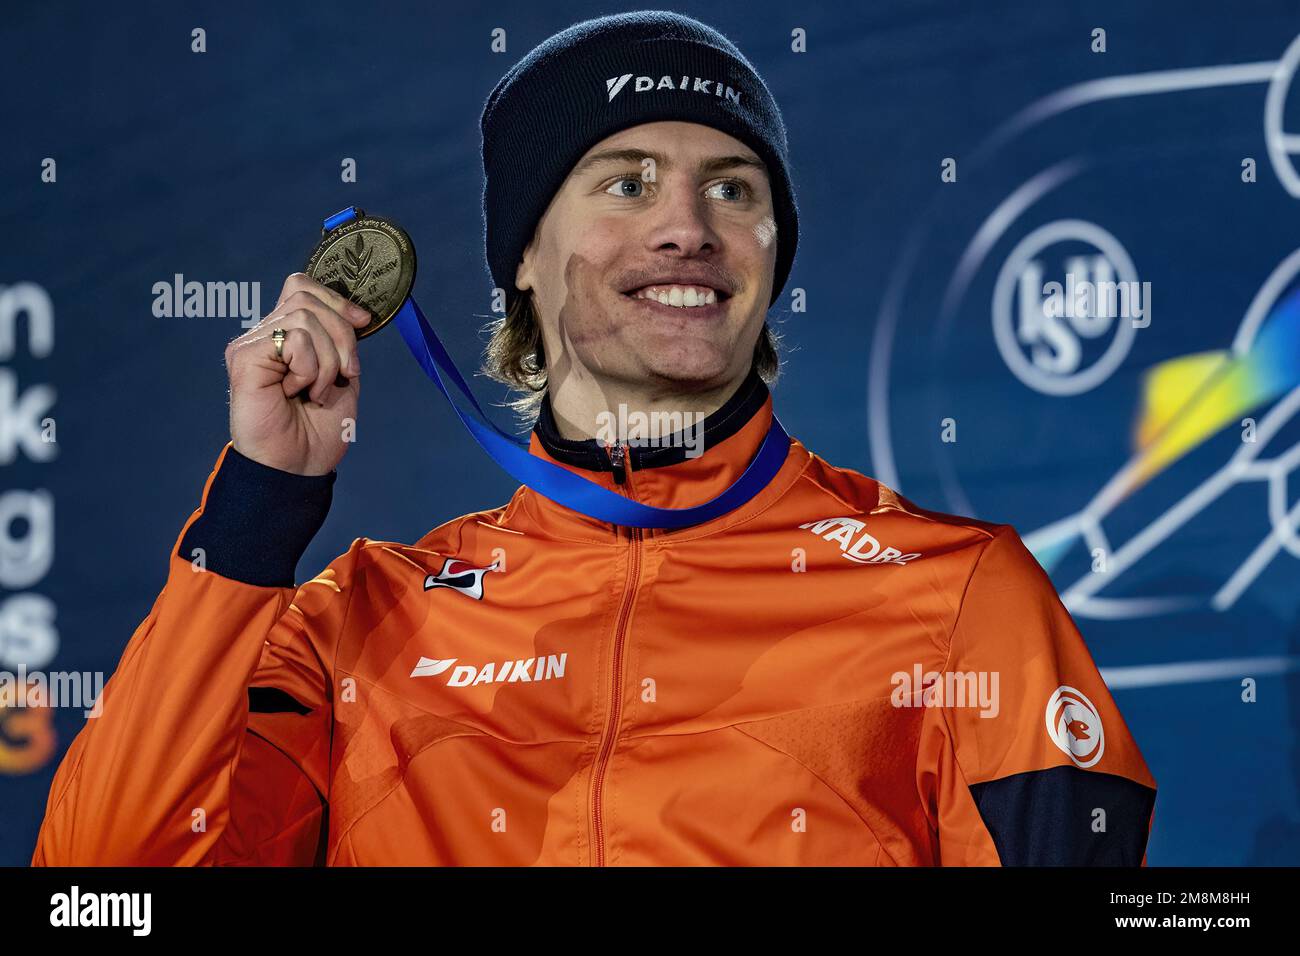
(683, 298)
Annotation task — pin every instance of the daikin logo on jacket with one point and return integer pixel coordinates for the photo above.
(550, 667)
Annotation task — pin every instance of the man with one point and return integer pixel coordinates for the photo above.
(824, 675)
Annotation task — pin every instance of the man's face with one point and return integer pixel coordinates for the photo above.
(661, 205)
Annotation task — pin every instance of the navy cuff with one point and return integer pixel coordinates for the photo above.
(257, 521)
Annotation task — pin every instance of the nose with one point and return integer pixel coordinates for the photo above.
(680, 220)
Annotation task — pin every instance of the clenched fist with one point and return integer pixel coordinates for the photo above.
(289, 413)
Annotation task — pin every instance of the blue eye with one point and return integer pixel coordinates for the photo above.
(737, 190)
(740, 188)
(617, 185)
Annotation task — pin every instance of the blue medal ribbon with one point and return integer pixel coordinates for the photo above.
(549, 479)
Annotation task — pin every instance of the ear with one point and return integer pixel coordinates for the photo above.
(524, 271)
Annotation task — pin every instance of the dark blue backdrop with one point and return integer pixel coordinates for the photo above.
(219, 166)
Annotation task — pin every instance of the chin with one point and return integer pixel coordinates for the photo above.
(686, 371)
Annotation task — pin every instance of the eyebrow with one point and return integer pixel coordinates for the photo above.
(714, 164)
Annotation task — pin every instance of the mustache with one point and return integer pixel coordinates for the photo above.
(680, 273)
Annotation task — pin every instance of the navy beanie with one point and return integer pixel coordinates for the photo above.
(602, 76)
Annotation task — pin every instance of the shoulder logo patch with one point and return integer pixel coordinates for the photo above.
(459, 576)
(1075, 726)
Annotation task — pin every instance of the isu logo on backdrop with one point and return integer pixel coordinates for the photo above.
(1075, 726)
(1064, 322)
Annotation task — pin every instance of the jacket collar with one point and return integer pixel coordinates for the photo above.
(588, 454)
(666, 475)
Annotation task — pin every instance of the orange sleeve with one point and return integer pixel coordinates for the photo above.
(1025, 759)
(176, 768)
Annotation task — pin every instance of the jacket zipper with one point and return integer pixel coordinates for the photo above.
(617, 454)
(618, 459)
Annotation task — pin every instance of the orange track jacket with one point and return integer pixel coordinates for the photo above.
(828, 675)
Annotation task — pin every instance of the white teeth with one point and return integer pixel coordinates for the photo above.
(679, 296)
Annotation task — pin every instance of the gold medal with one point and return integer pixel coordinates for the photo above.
(369, 261)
